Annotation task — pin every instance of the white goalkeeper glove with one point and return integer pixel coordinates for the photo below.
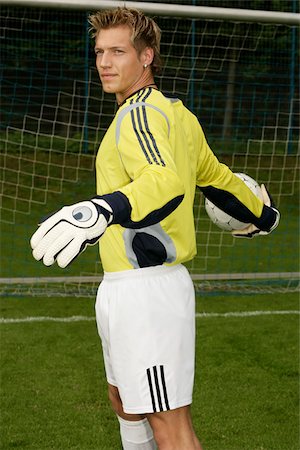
(66, 233)
(253, 230)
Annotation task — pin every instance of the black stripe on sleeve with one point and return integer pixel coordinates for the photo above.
(155, 216)
(139, 137)
(228, 203)
(122, 210)
(147, 127)
(142, 131)
(144, 135)
(152, 137)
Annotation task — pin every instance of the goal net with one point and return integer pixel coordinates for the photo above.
(239, 77)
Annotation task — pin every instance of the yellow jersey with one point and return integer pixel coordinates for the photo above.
(149, 163)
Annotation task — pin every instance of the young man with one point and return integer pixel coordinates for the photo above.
(149, 163)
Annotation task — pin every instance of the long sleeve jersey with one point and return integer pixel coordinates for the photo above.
(149, 163)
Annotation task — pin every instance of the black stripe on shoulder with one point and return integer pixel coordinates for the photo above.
(147, 93)
(142, 130)
(148, 129)
(144, 135)
(139, 96)
(152, 137)
(139, 137)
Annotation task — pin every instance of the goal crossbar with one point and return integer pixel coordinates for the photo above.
(165, 9)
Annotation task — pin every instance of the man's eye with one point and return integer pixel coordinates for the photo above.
(119, 51)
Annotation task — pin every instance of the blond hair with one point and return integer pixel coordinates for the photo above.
(145, 32)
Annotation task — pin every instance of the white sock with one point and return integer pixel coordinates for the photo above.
(136, 435)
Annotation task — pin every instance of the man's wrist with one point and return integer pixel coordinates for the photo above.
(268, 220)
(119, 205)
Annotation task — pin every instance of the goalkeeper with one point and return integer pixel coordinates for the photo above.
(149, 163)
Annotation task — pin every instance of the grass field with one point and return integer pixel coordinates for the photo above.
(53, 388)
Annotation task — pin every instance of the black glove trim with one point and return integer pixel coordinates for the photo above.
(268, 218)
(120, 206)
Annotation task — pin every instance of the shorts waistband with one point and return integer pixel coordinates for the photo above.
(145, 271)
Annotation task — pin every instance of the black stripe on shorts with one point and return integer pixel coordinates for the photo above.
(158, 388)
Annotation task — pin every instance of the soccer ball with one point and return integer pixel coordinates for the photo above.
(225, 221)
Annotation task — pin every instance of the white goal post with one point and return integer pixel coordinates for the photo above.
(168, 9)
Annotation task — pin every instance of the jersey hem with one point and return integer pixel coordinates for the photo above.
(145, 271)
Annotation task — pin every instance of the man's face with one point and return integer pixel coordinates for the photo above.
(118, 64)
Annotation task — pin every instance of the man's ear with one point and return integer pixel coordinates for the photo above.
(147, 56)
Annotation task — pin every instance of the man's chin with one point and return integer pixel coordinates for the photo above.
(108, 89)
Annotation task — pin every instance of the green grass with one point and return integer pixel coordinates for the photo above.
(53, 388)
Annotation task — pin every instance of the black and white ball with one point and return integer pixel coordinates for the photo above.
(225, 221)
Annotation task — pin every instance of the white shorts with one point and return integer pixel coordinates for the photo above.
(146, 321)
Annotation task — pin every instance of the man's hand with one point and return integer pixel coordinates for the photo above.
(253, 230)
(66, 233)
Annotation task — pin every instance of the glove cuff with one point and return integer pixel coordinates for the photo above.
(277, 219)
(268, 220)
(119, 206)
(103, 208)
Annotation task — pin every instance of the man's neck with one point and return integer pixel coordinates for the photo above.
(145, 80)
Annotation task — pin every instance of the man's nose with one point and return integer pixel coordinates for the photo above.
(105, 60)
